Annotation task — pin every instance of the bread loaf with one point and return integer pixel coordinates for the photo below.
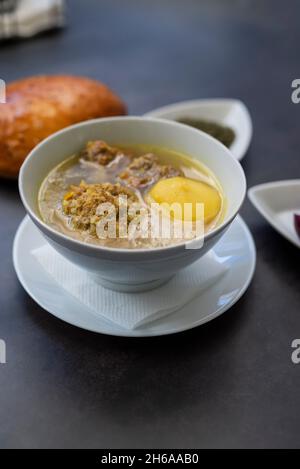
(38, 106)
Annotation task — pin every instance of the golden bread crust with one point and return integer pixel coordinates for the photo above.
(39, 106)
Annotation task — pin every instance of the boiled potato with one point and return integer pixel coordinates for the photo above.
(183, 190)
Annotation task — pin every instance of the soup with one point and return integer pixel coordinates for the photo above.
(134, 196)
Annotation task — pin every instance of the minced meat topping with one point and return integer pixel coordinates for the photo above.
(82, 201)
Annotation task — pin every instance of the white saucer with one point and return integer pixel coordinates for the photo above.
(236, 247)
(230, 112)
(278, 202)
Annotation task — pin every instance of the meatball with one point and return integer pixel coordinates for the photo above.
(145, 170)
(98, 151)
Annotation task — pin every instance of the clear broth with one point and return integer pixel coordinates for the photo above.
(73, 170)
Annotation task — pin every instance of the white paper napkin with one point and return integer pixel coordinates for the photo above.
(30, 17)
(132, 310)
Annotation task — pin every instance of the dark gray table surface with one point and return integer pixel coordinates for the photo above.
(230, 383)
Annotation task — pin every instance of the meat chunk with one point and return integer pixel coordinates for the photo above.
(82, 201)
(146, 170)
(98, 151)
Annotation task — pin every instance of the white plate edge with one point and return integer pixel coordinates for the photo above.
(264, 213)
(133, 333)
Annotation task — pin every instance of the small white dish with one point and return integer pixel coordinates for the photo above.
(230, 112)
(236, 248)
(278, 202)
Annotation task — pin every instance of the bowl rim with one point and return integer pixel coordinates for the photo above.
(98, 248)
(193, 104)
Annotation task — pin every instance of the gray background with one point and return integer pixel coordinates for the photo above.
(230, 383)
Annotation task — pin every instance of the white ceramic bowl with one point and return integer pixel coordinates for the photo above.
(230, 112)
(128, 269)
